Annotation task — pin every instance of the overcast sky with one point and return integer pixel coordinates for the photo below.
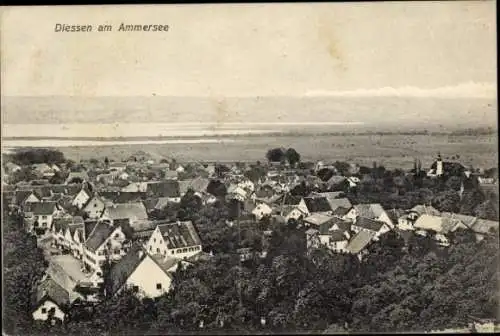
(428, 48)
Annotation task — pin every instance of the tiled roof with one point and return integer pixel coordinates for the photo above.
(179, 234)
(425, 209)
(122, 196)
(184, 186)
(290, 200)
(98, 236)
(485, 226)
(135, 211)
(61, 223)
(122, 270)
(317, 219)
(43, 208)
(336, 203)
(169, 188)
(372, 210)
(436, 223)
(337, 235)
(199, 184)
(22, 195)
(369, 224)
(395, 214)
(48, 288)
(342, 224)
(317, 204)
(161, 203)
(150, 203)
(360, 241)
(88, 227)
(165, 263)
(341, 211)
(336, 179)
(82, 175)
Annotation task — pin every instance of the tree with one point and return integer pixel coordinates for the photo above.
(454, 183)
(217, 188)
(275, 155)
(24, 266)
(470, 200)
(486, 210)
(292, 156)
(447, 201)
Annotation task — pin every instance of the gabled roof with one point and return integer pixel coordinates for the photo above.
(436, 223)
(165, 263)
(317, 204)
(317, 219)
(360, 241)
(179, 234)
(339, 202)
(337, 235)
(425, 209)
(127, 210)
(336, 179)
(150, 203)
(485, 226)
(184, 186)
(43, 208)
(61, 223)
(341, 211)
(395, 214)
(369, 224)
(22, 195)
(124, 268)
(371, 210)
(199, 184)
(89, 226)
(41, 167)
(122, 196)
(168, 188)
(161, 203)
(48, 288)
(341, 224)
(43, 191)
(98, 236)
(82, 175)
(288, 199)
(74, 226)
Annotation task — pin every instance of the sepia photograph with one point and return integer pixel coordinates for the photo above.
(266, 168)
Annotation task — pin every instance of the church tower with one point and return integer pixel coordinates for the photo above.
(439, 165)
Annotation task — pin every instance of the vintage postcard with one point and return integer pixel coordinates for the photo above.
(299, 168)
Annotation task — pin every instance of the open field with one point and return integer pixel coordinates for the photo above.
(393, 151)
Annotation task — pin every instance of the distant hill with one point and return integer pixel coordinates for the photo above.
(400, 112)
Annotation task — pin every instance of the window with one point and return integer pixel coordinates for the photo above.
(150, 248)
(154, 240)
(117, 235)
(158, 286)
(157, 250)
(44, 310)
(135, 289)
(95, 205)
(173, 252)
(44, 217)
(99, 274)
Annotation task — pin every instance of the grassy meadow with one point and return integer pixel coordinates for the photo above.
(392, 151)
